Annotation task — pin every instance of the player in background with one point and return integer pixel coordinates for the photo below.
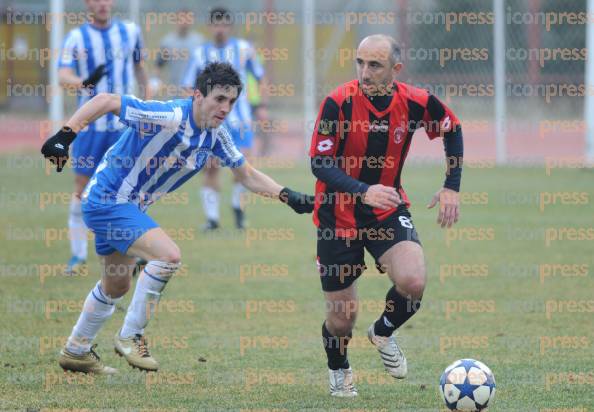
(175, 50)
(102, 55)
(242, 56)
(165, 144)
(259, 112)
(362, 136)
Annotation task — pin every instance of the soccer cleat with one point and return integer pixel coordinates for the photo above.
(210, 225)
(135, 351)
(88, 362)
(239, 218)
(392, 357)
(74, 266)
(341, 383)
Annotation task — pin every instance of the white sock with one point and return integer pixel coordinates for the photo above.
(210, 203)
(238, 190)
(98, 307)
(78, 230)
(149, 286)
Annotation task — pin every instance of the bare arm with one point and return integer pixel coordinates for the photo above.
(68, 79)
(99, 105)
(256, 181)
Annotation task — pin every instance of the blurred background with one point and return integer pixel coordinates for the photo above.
(520, 87)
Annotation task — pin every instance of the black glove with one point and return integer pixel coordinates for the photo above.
(299, 202)
(94, 77)
(55, 149)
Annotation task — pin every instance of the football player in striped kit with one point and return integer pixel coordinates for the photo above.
(102, 55)
(363, 133)
(242, 56)
(164, 145)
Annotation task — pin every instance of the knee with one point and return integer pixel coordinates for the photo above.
(173, 255)
(414, 286)
(116, 288)
(340, 326)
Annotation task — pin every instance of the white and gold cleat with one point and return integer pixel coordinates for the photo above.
(135, 351)
(88, 362)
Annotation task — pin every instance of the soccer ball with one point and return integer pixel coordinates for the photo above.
(467, 385)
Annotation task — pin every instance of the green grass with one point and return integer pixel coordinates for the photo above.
(499, 317)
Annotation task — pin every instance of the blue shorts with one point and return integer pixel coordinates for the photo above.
(116, 226)
(242, 138)
(89, 147)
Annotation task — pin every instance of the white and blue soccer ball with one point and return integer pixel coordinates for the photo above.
(467, 385)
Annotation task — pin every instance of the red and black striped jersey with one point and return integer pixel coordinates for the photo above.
(370, 145)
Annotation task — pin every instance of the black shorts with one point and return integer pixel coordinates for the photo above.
(341, 255)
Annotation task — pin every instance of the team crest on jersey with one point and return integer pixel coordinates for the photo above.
(201, 157)
(325, 127)
(197, 161)
(399, 133)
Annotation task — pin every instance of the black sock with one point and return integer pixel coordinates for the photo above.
(336, 349)
(398, 310)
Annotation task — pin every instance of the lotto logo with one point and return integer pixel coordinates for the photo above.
(325, 145)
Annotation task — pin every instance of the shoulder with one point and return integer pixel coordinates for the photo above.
(168, 112)
(242, 44)
(222, 134)
(74, 35)
(199, 53)
(245, 47)
(416, 94)
(130, 27)
(343, 92)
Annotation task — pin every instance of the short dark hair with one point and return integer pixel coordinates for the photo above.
(220, 15)
(217, 74)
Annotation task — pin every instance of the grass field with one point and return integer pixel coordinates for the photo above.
(239, 328)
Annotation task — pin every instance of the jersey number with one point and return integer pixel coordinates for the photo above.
(405, 222)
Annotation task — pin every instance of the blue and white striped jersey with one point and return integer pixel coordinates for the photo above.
(242, 56)
(161, 149)
(119, 47)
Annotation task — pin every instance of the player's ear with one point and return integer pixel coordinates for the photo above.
(397, 68)
(198, 96)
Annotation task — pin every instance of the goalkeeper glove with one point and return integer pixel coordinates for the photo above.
(299, 202)
(55, 149)
(93, 79)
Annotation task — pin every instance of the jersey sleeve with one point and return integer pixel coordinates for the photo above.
(194, 67)
(438, 118)
(149, 116)
(324, 141)
(69, 52)
(225, 149)
(253, 64)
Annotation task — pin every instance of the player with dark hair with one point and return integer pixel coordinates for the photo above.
(363, 134)
(165, 144)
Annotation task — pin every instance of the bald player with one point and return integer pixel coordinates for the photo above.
(362, 136)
